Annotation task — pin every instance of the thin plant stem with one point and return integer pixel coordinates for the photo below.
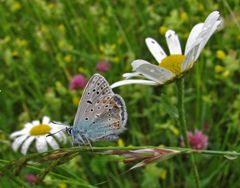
(182, 121)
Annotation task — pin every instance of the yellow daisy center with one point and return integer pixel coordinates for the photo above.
(173, 63)
(40, 129)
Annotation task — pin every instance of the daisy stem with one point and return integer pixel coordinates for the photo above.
(183, 126)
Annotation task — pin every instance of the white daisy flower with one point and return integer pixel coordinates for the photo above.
(37, 132)
(176, 64)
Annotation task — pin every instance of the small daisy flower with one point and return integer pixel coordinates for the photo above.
(37, 132)
(176, 64)
(78, 82)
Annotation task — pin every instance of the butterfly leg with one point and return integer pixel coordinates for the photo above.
(90, 145)
(80, 140)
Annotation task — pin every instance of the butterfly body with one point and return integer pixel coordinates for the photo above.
(101, 114)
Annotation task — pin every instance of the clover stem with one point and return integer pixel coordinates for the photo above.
(183, 126)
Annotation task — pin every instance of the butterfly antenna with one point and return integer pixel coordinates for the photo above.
(51, 134)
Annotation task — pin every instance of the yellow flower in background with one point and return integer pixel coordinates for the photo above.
(75, 100)
(21, 42)
(120, 40)
(175, 131)
(226, 74)
(27, 52)
(220, 54)
(219, 68)
(15, 6)
(81, 70)
(15, 53)
(200, 7)
(43, 29)
(116, 59)
(120, 142)
(162, 30)
(62, 185)
(61, 43)
(62, 28)
(2, 136)
(184, 16)
(163, 174)
(51, 6)
(67, 58)
(113, 46)
(101, 48)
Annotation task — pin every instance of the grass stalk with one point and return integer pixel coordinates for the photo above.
(182, 122)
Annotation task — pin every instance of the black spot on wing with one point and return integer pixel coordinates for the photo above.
(90, 102)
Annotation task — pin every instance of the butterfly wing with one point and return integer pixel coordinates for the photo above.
(109, 118)
(96, 88)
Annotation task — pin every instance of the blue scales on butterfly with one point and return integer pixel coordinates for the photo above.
(101, 114)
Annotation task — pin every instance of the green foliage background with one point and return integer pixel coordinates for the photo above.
(44, 43)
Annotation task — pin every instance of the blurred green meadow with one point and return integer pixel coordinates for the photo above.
(43, 44)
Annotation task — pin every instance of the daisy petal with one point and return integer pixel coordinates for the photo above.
(46, 120)
(192, 37)
(207, 36)
(190, 57)
(57, 126)
(61, 137)
(17, 133)
(52, 142)
(41, 144)
(130, 75)
(136, 63)
(173, 42)
(36, 122)
(128, 82)
(18, 141)
(26, 144)
(155, 49)
(28, 125)
(152, 72)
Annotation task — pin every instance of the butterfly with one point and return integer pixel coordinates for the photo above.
(101, 114)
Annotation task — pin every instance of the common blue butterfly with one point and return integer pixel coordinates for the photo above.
(101, 114)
